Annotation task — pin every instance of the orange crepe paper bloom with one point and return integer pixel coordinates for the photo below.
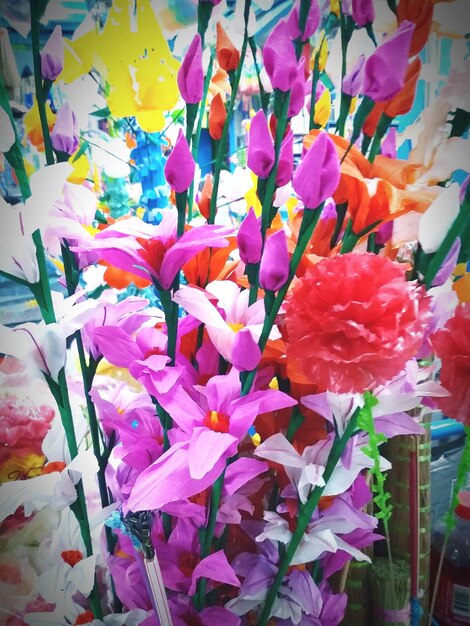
(120, 279)
(227, 55)
(217, 117)
(210, 264)
(205, 197)
(419, 12)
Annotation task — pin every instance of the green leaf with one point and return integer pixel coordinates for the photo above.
(101, 113)
(83, 148)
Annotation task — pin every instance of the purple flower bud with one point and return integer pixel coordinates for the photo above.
(191, 74)
(274, 267)
(463, 189)
(317, 176)
(246, 354)
(389, 144)
(64, 135)
(448, 265)
(363, 12)
(286, 161)
(249, 239)
(52, 55)
(311, 25)
(384, 233)
(385, 69)
(180, 166)
(353, 81)
(280, 61)
(297, 94)
(260, 146)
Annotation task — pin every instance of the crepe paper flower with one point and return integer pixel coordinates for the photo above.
(363, 12)
(452, 345)
(180, 166)
(52, 55)
(238, 314)
(153, 251)
(274, 268)
(323, 159)
(191, 74)
(421, 14)
(213, 427)
(56, 489)
(438, 219)
(64, 135)
(321, 536)
(32, 125)
(280, 61)
(183, 611)
(227, 55)
(8, 133)
(217, 117)
(18, 252)
(377, 319)
(249, 239)
(353, 81)
(380, 83)
(448, 265)
(311, 24)
(322, 107)
(246, 354)
(260, 157)
(297, 94)
(40, 345)
(285, 166)
(204, 199)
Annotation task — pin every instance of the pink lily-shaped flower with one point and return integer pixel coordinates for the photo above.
(237, 314)
(212, 425)
(181, 567)
(154, 251)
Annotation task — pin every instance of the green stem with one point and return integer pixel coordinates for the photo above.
(223, 140)
(382, 127)
(313, 96)
(36, 10)
(305, 515)
(197, 135)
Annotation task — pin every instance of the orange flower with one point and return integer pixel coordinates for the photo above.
(210, 264)
(398, 172)
(205, 197)
(420, 13)
(227, 55)
(217, 117)
(71, 557)
(120, 279)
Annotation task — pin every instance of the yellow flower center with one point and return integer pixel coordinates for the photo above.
(236, 327)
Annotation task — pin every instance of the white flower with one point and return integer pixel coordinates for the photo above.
(438, 219)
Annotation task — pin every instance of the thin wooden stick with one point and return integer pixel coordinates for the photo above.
(154, 574)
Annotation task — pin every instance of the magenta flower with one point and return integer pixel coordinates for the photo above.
(363, 12)
(274, 268)
(64, 135)
(52, 55)
(354, 80)
(180, 166)
(260, 146)
(213, 424)
(249, 239)
(385, 69)
(154, 251)
(311, 25)
(191, 74)
(246, 354)
(317, 176)
(297, 95)
(285, 166)
(280, 61)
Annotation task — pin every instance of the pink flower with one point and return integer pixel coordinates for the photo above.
(285, 166)
(233, 304)
(213, 425)
(280, 61)
(249, 239)
(260, 146)
(385, 69)
(274, 268)
(191, 74)
(180, 166)
(321, 158)
(312, 22)
(297, 95)
(363, 12)
(154, 251)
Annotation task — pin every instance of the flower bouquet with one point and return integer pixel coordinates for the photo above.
(229, 343)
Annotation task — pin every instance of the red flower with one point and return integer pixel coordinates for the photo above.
(353, 321)
(452, 346)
